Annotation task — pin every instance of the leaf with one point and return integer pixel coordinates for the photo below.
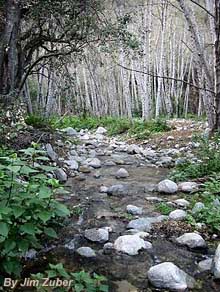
(4, 229)
(47, 168)
(43, 158)
(28, 170)
(5, 210)
(14, 168)
(9, 245)
(50, 232)
(12, 266)
(79, 288)
(28, 228)
(45, 216)
(104, 288)
(61, 210)
(18, 211)
(23, 245)
(44, 192)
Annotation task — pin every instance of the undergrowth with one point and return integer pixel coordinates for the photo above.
(133, 128)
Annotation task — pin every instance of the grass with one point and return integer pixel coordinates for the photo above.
(164, 208)
(136, 128)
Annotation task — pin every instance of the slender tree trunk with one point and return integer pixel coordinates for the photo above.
(10, 59)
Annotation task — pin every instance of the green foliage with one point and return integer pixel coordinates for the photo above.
(210, 214)
(28, 209)
(37, 121)
(136, 128)
(164, 208)
(209, 161)
(80, 281)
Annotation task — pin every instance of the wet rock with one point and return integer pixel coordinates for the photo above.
(100, 235)
(93, 162)
(188, 187)
(122, 173)
(192, 240)
(134, 210)
(129, 244)
(216, 263)
(86, 252)
(117, 190)
(205, 265)
(144, 224)
(101, 130)
(109, 163)
(51, 153)
(70, 131)
(60, 175)
(198, 207)
(167, 186)
(177, 215)
(169, 276)
(182, 202)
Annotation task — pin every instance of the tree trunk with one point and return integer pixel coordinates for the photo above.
(217, 63)
(10, 55)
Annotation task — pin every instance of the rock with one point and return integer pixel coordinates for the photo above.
(101, 130)
(198, 207)
(93, 162)
(205, 265)
(97, 174)
(117, 190)
(103, 189)
(167, 186)
(70, 245)
(30, 254)
(182, 202)
(100, 235)
(170, 138)
(108, 245)
(73, 164)
(134, 210)
(144, 224)
(141, 234)
(51, 153)
(86, 252)
(84, 169)
(60, 175)
(164, 161)
(129, 244)
(154, 199)
(133, 149)
(168, 276)
(70, 131)
(192, 240)
(188, 187)
(216, 263)
(85, 137)
(122, 173)
(177, 215)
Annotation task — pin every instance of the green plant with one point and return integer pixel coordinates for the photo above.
(208, 155)
(28, 209)
(38, 121)
(77, 282)
(164, 208)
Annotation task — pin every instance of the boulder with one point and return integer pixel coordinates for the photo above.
(51, 153)
(117, 190)
(101, 130)
(86, 252)
(182, 202)
(70, 131)
(93, 162)
(205, 265)
(73, 164)
(134, 210)
(168, 276)
(188, 187)
(122, 173)
(177, 215)
(167, 186)
(216, 263)
(60, 175)
(100, 235)
(144, 224)
(129, 244)
(192, 240)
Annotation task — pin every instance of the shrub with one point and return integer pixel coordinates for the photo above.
(80, 281)
(28, 209)
(164, 208)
